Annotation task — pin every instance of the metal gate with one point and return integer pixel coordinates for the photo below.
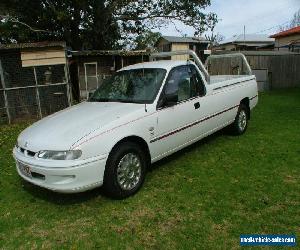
(90, 78)
(262, 79)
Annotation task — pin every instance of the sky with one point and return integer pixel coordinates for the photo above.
(259, 17)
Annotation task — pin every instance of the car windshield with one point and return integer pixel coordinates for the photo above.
(135, 86)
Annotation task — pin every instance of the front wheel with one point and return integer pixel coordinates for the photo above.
(125, 170)
(240, 124)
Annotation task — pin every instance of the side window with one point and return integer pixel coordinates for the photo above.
(178, 83)
(185, 83)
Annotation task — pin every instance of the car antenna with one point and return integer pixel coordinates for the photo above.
(146, 108)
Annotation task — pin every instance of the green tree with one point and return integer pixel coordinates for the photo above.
(146, 40)
(214, 39)
(96, 24)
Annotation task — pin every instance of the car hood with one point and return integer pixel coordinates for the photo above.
(61, 130)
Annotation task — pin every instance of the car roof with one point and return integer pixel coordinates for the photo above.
(162, 64)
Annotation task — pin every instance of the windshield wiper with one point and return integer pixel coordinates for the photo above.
(114, 100)
(99, 100)
(120, 100)
(126, 101)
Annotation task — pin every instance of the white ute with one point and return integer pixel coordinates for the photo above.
(140, 115)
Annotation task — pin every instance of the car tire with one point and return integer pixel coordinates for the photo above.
(125, 170)
(240, 124)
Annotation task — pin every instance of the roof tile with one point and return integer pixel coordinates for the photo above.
(292, 31)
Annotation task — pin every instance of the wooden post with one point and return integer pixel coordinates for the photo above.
(86, 81)
(69, 88)
(4, 92)
(68, 79)
(37, 94)
(79, 87)
(97, 75)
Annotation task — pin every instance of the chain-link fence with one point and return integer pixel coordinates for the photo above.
(31, 92)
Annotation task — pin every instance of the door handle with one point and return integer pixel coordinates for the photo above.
(197, 105)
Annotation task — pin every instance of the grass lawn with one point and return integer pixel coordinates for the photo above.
(202, 197)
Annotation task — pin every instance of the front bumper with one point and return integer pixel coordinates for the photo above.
(62, 176)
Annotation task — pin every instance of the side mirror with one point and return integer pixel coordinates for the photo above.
(90, 93)
(170, 100)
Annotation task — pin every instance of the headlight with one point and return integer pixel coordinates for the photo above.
(60, 155)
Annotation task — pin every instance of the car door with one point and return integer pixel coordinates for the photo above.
(175, 122)
(217, 109)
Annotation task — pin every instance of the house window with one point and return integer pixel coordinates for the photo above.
(166, 47)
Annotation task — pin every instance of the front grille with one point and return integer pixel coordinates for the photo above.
(27, 152)
(30, 153)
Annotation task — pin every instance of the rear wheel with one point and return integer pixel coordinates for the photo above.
(240, 123)
(125, 170)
